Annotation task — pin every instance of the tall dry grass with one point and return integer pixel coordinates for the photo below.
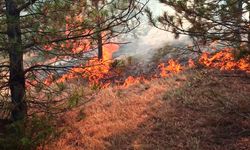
(197, 109)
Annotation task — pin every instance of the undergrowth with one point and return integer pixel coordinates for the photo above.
(28, 134)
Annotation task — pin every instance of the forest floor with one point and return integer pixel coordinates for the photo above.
(196, 109)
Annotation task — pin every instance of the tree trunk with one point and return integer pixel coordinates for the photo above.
(17, 79)
(100, 49)
(248, 46)
(99, 34)
(239, 13)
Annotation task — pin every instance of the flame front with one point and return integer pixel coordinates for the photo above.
(95, 69)
(173, 67)
(224, 60)
(98, 72)
(133, 80)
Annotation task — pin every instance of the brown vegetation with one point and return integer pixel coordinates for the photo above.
(197, 109)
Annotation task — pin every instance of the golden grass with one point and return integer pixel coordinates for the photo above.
(193, 110)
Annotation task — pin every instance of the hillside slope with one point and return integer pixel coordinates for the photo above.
(197, 109)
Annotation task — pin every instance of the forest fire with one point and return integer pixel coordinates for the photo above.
(98, 72)
(173, 67)
(225, 60)
(101, 72)
(124, 74)
(95, 69)
(133, 80)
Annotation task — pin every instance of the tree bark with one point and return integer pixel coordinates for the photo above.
(248, 46)
(17, 77)
(98, 28)
(100, 44)
(238, 11)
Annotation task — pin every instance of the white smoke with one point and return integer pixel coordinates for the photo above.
(146, 40)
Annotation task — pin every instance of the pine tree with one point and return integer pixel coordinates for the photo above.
(206, 21)
(48, 29)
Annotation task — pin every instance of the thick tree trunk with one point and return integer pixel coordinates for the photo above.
(239, 12)
(17, 79)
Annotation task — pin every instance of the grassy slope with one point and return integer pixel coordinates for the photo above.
(198, 109)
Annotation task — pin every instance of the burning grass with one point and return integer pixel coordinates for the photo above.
(197, 109)
(173, 107)
(173, 67)
(225, 60)
(94, 69)
(102, 73)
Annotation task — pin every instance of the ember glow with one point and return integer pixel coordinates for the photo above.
(133, 80)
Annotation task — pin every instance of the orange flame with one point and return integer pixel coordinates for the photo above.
(173, 67)
(133, 80)
(95, 69)
(224, 60)
(108, 51)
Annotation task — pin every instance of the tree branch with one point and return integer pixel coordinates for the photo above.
(26, 5)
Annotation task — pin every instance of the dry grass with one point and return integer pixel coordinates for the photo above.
(194, 110)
